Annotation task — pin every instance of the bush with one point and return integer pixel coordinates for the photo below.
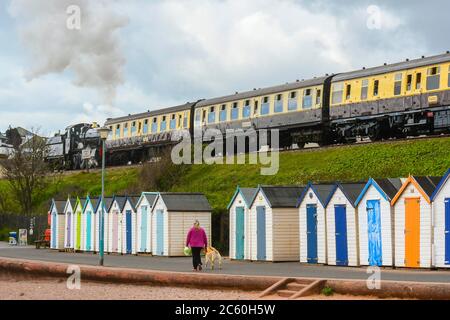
(4, 234)
(327, 291)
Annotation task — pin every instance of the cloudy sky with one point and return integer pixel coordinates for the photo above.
(135, 55)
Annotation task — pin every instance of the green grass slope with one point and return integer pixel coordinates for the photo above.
(218, 182)
(343, 163)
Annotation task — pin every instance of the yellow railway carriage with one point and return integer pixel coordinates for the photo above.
(146, 132)
(287, 107)
(392, 100)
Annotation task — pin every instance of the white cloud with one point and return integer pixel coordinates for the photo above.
(183, 50)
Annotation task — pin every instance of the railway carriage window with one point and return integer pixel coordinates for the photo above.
(185, 119)
(409, 82)
(376, 85)
(133, 128)
(348, 92)
(307, 99)
(223, 113)
(279, 103)
(212, 115)
(203, 116)
(398, 84)
(234, 111)
(163, 125)
(118, 131)
(145, 128)
(255, 109)
(448, 80)
(433, 78)
(338, 90)
(265, 106)
(197, 117)
(318, 96)
(154, 125)
(364, 89)
(418, 81)
(125, 130)
(173, 122)
(292, 103)
(246, 109)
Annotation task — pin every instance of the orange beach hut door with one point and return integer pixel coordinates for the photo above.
(412, 232)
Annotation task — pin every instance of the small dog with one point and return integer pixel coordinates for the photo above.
(211, 256)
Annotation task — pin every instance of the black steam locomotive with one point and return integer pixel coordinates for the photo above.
(79, 147)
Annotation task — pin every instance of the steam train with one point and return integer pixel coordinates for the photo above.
(398, 100)
(79, 147)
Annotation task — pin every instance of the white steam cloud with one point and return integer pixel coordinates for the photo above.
(91, 53)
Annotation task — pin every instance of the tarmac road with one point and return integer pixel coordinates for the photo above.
(183, 264)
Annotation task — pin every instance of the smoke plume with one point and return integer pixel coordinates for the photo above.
(91, 53)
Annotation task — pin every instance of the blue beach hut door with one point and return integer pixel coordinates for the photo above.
(340, 222)
(374, 232)
(240, 233)
(54, 226)
(261, 233)
(128, 228)
(144, 229)
(311, 232)
(447, 231)
(160, 232)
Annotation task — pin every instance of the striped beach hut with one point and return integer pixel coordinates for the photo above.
(312, 205)
(239, 223)
(375, 222)
(106, 206)
(57, 224)
(413, 222)
(342, 225)
(144, 221)
(128, 217)
(441, 230)
(78, 212)
(88, 224)
(115, 224)
(173, 215)
(69, 217)
(274, 215)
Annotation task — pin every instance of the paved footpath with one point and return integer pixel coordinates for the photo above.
(183, 264)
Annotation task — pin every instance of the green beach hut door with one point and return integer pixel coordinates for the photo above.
(240, 232)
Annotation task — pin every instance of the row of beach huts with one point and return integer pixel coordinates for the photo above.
(155, 222)
(401, 222)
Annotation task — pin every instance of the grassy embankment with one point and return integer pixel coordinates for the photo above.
(218, 182)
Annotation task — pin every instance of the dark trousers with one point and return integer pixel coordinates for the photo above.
(196, 260)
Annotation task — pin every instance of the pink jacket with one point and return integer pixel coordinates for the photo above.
(196, 238)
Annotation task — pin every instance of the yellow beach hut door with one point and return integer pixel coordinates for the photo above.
(412, 232)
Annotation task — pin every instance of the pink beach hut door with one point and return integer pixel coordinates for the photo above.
(115, 232)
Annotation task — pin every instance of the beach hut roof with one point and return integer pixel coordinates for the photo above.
(387, 187)
(280, 196)
(121, 200)
(149, 196)
(322, 192)
(440, 184)
(425, 184)
(350, 190)
(60, 205)
(175, 201)
(246, 193)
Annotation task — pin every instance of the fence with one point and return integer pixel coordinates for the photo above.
(14, 222)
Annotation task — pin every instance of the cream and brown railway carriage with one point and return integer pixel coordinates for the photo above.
(393, 100)
(136, 137)
(297, 109)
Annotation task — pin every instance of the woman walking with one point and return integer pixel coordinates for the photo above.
(196, 240)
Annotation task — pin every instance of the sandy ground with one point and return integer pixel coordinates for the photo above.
(51, 289)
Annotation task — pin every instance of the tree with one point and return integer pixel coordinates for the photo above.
(26, 171)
